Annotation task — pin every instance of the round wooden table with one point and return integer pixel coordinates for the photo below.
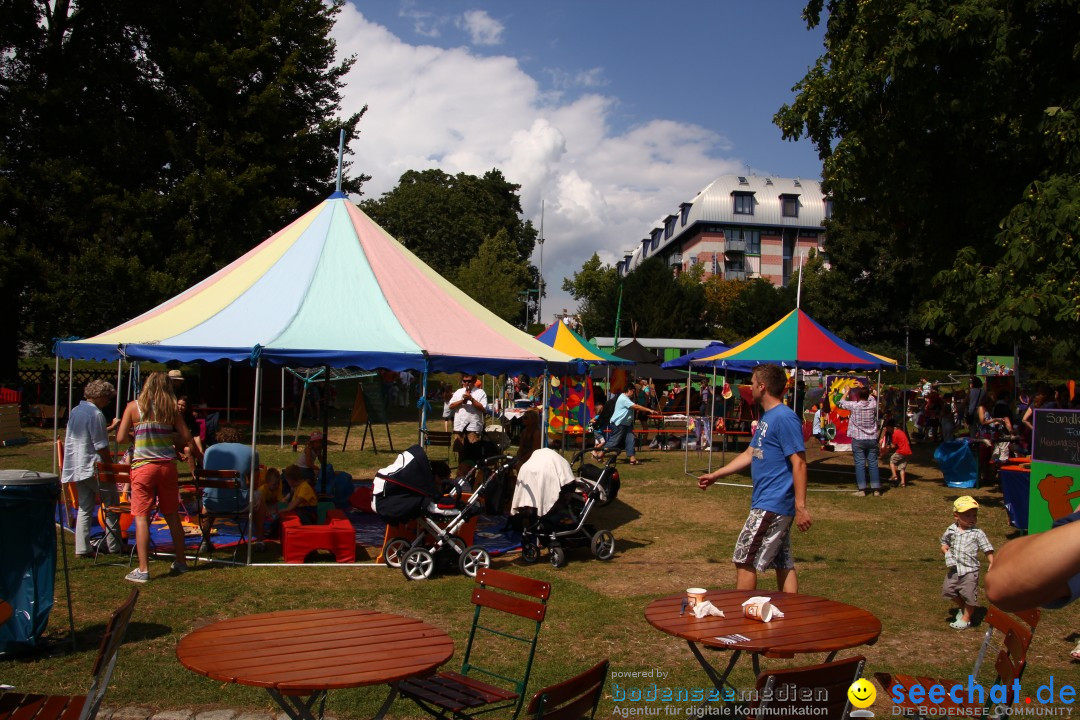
(810, 624)
(297, 654)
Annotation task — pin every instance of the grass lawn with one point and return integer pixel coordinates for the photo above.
(881, 554)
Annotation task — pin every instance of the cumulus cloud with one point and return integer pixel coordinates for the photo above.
(482, 28)
(452, 109)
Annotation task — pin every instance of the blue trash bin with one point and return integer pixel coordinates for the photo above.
(27, 555)
(958, 464)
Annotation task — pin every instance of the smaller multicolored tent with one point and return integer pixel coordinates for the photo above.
(797, 340)
(562, 338)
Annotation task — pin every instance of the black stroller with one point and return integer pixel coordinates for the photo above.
(565, 525)
(406, 490)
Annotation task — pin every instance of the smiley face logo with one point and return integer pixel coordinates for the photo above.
(862, 693)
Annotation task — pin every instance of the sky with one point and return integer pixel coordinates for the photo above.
(607, 113)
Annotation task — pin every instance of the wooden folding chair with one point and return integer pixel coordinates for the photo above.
(232, 503)
(570, 699)
(21, 706)
(827, 685)
(439, 438)
(463, 695)
(1016, 630)
(112, 476)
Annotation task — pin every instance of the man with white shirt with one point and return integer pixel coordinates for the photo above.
(85, 444)
(468, 403)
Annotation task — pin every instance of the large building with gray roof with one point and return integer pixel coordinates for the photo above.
(739, 227)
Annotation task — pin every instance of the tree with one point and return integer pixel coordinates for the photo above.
(928, 116)
(596, 289)
(144, 145)
(445, 218)
(496, 278)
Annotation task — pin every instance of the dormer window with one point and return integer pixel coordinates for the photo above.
(743, 203)
(789, 206)
(684, 212)
(669, 226)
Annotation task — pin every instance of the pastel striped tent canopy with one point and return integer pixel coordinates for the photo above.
(797, 340)
(565, 340)
(332, 288)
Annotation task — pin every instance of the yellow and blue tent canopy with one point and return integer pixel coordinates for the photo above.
(562, 338)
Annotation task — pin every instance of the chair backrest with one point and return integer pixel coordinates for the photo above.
(439, 438)
(511, 594)
(570, 699)
(106, 658)
(823, 687)
(1020, 625)
(222, 492)
(113, 473)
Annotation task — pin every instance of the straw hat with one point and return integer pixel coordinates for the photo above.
(176, 376)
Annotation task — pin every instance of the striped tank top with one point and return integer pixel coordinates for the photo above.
(153, 443)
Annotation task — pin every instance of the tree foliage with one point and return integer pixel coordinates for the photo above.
(144, 145)
(595, 288)
(929, 118)
(496, 277)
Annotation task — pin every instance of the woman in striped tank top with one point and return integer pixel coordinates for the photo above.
(155, 425)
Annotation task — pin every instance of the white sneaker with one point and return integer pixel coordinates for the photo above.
(138, 576)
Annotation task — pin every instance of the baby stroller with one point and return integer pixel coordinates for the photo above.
(406, 490)
(554, 503)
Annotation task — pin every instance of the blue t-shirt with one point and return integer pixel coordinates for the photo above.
(778, 436)
(623, 412)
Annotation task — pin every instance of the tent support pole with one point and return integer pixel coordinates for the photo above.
(281, 436)
(63, 492)
(544, 427)
(254, 469)
(686, 437)
(423, 401)
(228, 392)
(300, 416)
(326, 428)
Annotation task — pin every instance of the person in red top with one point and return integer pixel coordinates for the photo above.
(895, 439)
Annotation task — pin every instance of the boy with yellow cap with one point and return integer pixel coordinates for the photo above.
(961, 544)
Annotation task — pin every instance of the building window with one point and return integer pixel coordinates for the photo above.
(669, 226)
(744, 203)
(656, 238)
(751, 237)
(828, 208)
(685, 212)
(789, 205)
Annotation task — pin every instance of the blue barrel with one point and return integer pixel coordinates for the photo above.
(27, 554)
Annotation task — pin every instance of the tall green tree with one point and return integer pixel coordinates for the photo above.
(496, 278)
(929, 118)
(595, 287)
(144, 145)
(444, 218)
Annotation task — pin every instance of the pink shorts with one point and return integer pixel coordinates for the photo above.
(154, 479)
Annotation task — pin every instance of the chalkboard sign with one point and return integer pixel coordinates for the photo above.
(1056, 436)
(374, 401)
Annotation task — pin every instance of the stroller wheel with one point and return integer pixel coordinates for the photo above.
(557, 556)
(603, 545)
(418, 564)
(474, 558)
(530, 553)
(394, 551)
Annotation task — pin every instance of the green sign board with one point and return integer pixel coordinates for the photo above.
(1055, 467)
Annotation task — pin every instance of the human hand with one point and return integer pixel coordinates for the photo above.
(802, 519)
(704, 481)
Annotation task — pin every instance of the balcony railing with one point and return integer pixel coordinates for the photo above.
(734, 274)
(674, 259)
(734, 246)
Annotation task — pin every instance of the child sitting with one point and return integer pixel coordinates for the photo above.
(267, 497)
(895, 440)
(301, 497)
(961, 544)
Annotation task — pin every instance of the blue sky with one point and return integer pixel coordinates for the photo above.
(610, 113)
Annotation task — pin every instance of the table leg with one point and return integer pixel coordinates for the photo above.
(297, 707)
(387, 702)
(719, 680)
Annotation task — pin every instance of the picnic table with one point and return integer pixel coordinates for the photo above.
(810, 624)
(299, 655)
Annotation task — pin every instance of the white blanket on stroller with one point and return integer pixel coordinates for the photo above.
(539, 481)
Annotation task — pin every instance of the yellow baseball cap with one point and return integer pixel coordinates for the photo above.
(964, 503)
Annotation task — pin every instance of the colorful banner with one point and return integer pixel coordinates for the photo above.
(570, 404)
(994, 365)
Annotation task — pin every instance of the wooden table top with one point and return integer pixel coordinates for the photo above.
(810, 624)
(305, 651)
(5, 611)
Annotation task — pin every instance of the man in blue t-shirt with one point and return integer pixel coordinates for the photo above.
(776, 457)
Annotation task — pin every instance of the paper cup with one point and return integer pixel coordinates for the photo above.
(760, 611)
(694, 596)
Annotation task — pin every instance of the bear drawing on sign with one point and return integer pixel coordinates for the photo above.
(1055, 491)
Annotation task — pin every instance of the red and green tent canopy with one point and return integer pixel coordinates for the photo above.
(797, 340)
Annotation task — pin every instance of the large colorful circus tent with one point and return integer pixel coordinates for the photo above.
(330, 289)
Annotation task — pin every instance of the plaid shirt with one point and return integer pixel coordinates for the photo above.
(964, 547)
(862, 425)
